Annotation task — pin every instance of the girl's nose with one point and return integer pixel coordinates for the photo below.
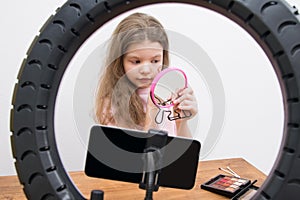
(145, 69)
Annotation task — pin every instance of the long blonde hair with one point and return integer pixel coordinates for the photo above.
(116, 99)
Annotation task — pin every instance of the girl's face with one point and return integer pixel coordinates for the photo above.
(142, 62)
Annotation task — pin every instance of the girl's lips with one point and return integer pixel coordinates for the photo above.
(145, 79)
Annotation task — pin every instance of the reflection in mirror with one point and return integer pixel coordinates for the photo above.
(238, 94)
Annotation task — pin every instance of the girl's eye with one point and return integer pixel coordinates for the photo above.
(155, 61)
(135, 61)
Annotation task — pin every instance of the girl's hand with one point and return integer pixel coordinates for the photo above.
(185, 100)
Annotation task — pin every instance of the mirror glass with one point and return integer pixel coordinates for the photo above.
(237, 91)
(165, 86)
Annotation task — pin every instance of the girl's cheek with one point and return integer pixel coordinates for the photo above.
(159, 68)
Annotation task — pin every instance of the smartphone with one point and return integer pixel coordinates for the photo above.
(117, 154)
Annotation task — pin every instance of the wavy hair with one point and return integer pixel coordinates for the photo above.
(117, 102)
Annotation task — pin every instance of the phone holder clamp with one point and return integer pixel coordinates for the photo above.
(152, 159)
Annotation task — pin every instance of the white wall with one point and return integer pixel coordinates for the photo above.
(253, 112)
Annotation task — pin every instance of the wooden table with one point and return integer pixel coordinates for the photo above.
(10, 187)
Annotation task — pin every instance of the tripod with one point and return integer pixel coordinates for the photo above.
(152, 159)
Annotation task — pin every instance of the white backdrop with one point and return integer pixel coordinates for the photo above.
(252, 128)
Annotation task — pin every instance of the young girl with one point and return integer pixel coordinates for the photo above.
(138, 51)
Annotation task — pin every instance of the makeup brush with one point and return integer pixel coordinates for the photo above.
(229, 172)
(232, 170)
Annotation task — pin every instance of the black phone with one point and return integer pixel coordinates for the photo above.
(117, 154)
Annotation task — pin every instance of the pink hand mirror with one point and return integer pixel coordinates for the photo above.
(163, 91)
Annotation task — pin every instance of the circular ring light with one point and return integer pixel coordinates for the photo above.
(273, 24)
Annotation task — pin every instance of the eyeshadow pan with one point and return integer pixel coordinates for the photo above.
(234, 186)
(219, 186)
(238, 183)
(230, 189)
(242, 180)
(227, 184)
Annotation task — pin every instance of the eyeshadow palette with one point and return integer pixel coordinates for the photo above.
(224, 185)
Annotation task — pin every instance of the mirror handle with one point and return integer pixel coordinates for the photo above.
(161, 116)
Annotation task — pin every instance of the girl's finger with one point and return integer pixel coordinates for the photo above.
(187, 90)
(187, 103)
(175, 95)
(184, 97)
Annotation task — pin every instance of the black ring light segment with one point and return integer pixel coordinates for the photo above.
(274, 25)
